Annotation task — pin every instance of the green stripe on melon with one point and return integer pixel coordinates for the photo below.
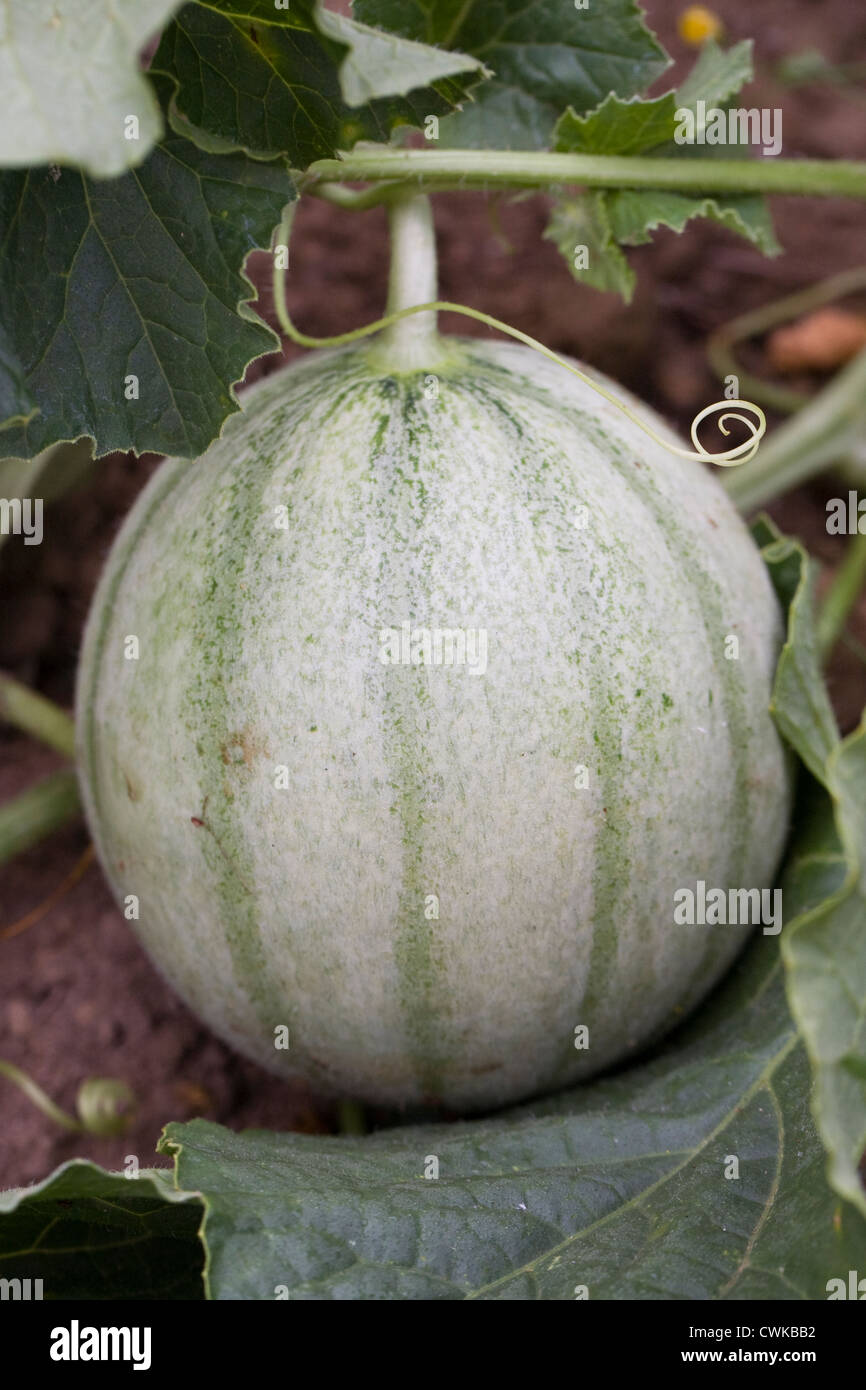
(259, 648)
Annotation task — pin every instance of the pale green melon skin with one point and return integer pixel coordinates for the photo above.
(259, 647)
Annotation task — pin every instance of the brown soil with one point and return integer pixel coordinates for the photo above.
(78, 996)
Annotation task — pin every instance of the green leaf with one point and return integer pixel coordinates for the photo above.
(717, 75)
(17, 406)
(379, 64)
(715, 79)
(265, 90)
(823, 953)
(800, 704)
(605, 222)
(827, 980)
(635, 213)
(136, 277)
(635, 126)
(546, 55)
(628, 217)
(823, 946)
(70, 78)
(580, 227)
(617, 127)
(90, 1234)
(303, 90)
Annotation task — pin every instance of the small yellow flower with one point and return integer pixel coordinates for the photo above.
(697, 24)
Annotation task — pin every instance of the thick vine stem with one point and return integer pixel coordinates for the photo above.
(432, 169)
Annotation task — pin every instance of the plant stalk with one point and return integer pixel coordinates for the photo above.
(36, 715)
(431, 169)
(39, 1097)
(410, 342)
(105, 1106)
(29, 818)
(842, 595)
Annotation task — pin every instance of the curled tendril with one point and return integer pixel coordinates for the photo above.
(105, 1107)
(729, 458)
(740, 453)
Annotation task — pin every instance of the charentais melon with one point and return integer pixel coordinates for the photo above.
(433, 857)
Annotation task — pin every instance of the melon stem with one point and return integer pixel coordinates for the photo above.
(412, 343)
